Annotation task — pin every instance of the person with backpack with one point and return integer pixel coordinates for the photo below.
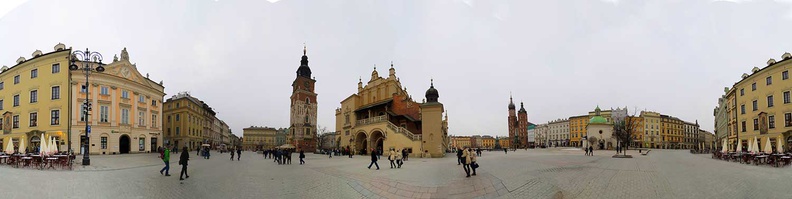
(165, 158)
(302, 157)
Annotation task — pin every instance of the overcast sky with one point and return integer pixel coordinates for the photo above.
(562, 58)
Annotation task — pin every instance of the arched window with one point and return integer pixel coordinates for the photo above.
(307, 100)
(306, 119)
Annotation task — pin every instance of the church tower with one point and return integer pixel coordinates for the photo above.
(522, 117)
(303, 108)
(432, 124)
(512, 121)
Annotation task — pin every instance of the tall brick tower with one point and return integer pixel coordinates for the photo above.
(522, 128)
(512, 121)
(303, 108)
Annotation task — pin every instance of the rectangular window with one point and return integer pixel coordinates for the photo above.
(743, 126)
(16, 100)
(177, 117)
(125, 94)
(16, 79)
(55, 68)
(786, 97)
(787, 119)
(177, 131)
(755, 105)
(785, 75)
(141, 99)
(771, 121)
(33, 73)
(104, 142)
(56, 92)
(33, 96)
(104, 112)
(769, 80)
(55, 117)
(153, 102)
(141, 118)
(153, 120)
(104, 90)
(124, 116)
(1, 106)
(83, 112)
(33, 119)
(1, 85)
(169, 118)
(742, 91)
(742, 109)
(770, 101)
(756, 124)
(16, 121)
(753, 86)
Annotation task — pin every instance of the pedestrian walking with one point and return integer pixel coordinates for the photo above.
(466, 161)
(330, 152)
(506, 151)
(197, 151)
(183, 162)
(586, 149)
(373, 160)
(591, 151)
(391, 158)
(473, 164)
(288, 158)
(166, 158)
(232, 155)
(302, 156)
(404, 155)
(398, 159)
(239, 154)
(459, 156)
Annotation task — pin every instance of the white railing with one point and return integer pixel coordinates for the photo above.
(372, 120)
(393, 127)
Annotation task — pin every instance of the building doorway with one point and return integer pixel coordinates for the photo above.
(123, 144)
(153, 145)
(377, 138)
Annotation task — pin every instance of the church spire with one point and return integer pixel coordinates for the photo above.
(304, 70)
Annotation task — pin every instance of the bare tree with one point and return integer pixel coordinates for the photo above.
(624, 130)
(322, 136)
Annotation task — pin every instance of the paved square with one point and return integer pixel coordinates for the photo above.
(540, 173)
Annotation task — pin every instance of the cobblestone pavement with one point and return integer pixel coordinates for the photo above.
(540, 173)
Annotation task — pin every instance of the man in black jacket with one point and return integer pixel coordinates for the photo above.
(183, 159)
(459, 156)
(373, 159)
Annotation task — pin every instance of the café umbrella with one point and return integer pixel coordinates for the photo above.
(9, 148)
(724, 146)
(22, 148)
(768, 148)
(755, 145)
(54, 146)
(42, 144)
(780, 142)
(739, 146)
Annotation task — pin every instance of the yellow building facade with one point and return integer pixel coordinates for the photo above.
(256, 137)
(577, 129)
(760, 106)
(34, 99)
(185, 121)
(505, 142)
(44, 97)
(671, 130)
(652, 129)
(381, 115)
(487, 142)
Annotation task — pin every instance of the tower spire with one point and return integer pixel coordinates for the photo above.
(305, 49)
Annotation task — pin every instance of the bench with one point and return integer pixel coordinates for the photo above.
(647, 152)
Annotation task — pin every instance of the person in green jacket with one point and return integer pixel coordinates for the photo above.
(166, 158)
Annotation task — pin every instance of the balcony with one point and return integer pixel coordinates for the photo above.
(391, 126)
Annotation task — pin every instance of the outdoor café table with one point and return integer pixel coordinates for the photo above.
(786, 159)
(4, 158)
(736, 156)
(26, 161)
(776, 157)
(758, 159)
(51, 162)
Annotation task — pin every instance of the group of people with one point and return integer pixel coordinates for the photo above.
(203, 151)
(467, 158)
(282, 156)
(589, 151)
(238, 152)
(183, 159)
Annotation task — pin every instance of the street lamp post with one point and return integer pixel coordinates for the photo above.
(87, 58)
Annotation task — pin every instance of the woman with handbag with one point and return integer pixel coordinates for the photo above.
(473, 164)
(392, 157)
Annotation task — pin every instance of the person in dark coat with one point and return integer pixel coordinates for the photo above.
(591, 151)
(183, 159)
(232, 155)
(404, 155)
(459, 156)
(302, 156)
(288, 156)
(373, 160)
(239, 153)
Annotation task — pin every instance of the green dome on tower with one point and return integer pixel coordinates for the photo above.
(597, 119)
